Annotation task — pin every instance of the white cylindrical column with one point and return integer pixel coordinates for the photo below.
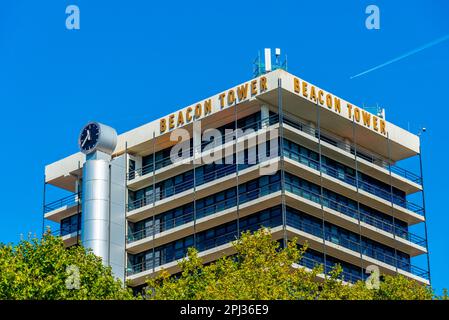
(95, 207)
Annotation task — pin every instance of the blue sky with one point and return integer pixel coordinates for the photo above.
(122, 66)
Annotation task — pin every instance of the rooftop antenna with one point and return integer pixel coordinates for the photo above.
(267, 59)
(380, 111)
(277, 53)
(267, 65)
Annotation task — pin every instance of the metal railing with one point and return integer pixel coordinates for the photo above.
(161, 226)
(226, 138)
(65, 231)
(363, 153)
(202, 246)
(344, 241)
(344, 275)
(217, 241)
(199, 180)
(178, 188)
(70, 200)
(354, 213)
(363, 185)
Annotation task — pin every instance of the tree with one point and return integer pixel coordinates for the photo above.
(44, 269)
(260, 269)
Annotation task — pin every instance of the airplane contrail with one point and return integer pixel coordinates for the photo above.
(405, 55)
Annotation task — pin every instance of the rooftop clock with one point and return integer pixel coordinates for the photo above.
(97, 137)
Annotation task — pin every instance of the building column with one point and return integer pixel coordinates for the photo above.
(196, 135)
(312, 128)
(265, 116)
(346, 145)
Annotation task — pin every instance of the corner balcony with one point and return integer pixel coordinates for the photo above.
(63, 208)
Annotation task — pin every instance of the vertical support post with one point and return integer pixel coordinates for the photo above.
(356, 164)
(236, 157)
(281, 140)
(78, 205)
(197, 149)
(424, 211)
(44, 191)
(320, 167)
(154, 201)
(264, 116)
(125, 195)
(392, 204)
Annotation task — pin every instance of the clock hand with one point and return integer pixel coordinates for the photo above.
(86, 138)
(84, 141)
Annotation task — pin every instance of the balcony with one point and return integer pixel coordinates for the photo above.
(154, 263)
(69, 236)
(63, 208)
(346, 153)
(164, 231)
(355, 251)
(345, 276)
(164, 168)
(206, 184)
(393, 231)
(353, 181)
(209, 251)
(181, 187)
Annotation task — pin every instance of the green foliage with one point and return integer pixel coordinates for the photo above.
(261, 270)
(37, 269)
(399, 287)
(445, 295)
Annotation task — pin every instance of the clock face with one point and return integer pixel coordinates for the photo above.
(89, 137)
